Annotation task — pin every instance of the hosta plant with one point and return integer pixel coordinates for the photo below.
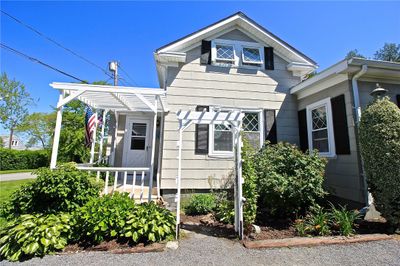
(34, 235)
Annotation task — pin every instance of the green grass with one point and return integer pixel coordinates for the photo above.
(8, 187)
(16, 171)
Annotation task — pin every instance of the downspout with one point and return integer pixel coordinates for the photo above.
(357, 111)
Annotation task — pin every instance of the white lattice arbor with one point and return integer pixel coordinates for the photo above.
(233, 119)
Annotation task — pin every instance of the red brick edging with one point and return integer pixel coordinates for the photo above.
(313, 241)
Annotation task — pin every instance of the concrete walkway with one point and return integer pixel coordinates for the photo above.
(198, 249)
(16, 176)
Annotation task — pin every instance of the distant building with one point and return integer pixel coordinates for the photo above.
(16, 143)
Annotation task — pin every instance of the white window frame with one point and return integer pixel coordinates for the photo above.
(258, 63)
(238, 54)
(229, 154)
(331, 139)
(260, 123)
(14, 143)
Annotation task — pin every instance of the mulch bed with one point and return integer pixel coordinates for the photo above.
(115, 247)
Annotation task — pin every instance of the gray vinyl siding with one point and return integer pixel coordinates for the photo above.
(236, 35)
(367, 87)
(343, 176)
(193, 84)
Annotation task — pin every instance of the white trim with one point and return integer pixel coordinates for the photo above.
(331, 139)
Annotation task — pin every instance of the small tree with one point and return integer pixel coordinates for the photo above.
(380, 149)
(39, 127)
(354, 53)
(389, 52)
(14, 103)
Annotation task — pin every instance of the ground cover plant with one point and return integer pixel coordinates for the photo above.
(200, 204)
(380, 149)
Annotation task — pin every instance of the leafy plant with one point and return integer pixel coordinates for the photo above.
(149, 223)
(224, 210)
(380, 149)
(318, 221)
(34, 235)
(343, 220)
(288, 180)
(103, 218)
(60, 190)
(200, 204)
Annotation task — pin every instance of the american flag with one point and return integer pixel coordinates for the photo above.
(90, 124)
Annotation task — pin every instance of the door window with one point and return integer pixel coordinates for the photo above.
(138, 137)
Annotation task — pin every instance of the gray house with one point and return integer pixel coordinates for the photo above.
(233, 64)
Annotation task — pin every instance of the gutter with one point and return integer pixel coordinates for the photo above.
(357, 112)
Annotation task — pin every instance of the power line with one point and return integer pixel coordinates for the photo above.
(56, 43)
(40, 62)
(134, 82)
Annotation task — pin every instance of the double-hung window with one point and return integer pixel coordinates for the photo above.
(320, 128)
(252, 128)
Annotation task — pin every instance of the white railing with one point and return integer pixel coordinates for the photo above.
(122, 182)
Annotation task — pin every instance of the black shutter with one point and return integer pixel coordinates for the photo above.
(269, 58)
(340, 127)
(270, 126)
(201, 135)
(205, 57)
(302, 116)
(398, 100)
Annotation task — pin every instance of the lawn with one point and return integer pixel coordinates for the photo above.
(16, 171)
(8, 187)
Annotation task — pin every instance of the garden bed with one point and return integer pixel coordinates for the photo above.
(115, 247)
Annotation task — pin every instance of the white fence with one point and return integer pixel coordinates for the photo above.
(125, 180)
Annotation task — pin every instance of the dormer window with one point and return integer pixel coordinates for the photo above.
(237, 53)
(225, 53)
(251, 56)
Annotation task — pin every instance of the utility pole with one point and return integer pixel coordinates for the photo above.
(113, 67)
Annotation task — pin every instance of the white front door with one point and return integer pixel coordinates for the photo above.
(137, 143)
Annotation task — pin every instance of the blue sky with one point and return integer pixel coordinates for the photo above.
(130, 31)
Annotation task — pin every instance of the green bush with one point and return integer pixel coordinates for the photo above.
(60, 190)
(34, 235)
(118, 217)
(24, 159)
(343, 220)
(200, 204)
(103, 218)
(380, 149)
(249, 186)
(288, 180)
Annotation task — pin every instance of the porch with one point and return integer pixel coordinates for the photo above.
(128, 148)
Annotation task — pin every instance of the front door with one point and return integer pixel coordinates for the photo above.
(136, 146)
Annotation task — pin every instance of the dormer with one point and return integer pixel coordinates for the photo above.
(237, 42)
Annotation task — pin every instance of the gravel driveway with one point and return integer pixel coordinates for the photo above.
(199, 249)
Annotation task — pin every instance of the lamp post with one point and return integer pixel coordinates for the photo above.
(378, 92)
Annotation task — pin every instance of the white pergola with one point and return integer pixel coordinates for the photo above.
(116, 99)
(232, 119)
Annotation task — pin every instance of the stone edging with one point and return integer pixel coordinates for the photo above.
(314, 241)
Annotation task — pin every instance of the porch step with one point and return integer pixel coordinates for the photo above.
(136, 192)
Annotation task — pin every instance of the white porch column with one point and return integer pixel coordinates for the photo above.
(179, 177)
(57, 130)
(115, 139)
(153, 150)
(160, 147)
(239, 181)
(93, 141)
(102, 136)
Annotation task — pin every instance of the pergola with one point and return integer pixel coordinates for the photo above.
(116, 99)
(233, 119)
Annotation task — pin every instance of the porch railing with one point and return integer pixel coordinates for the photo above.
(122, 182)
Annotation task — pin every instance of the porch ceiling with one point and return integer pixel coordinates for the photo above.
(114, 98)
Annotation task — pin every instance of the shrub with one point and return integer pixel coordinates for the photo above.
(249, 186)
(16, 159)
(380, 149)
(200, 204)
(60, 190)
(288, 181)
(118, 217)
(103, 218)
(34, 235)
